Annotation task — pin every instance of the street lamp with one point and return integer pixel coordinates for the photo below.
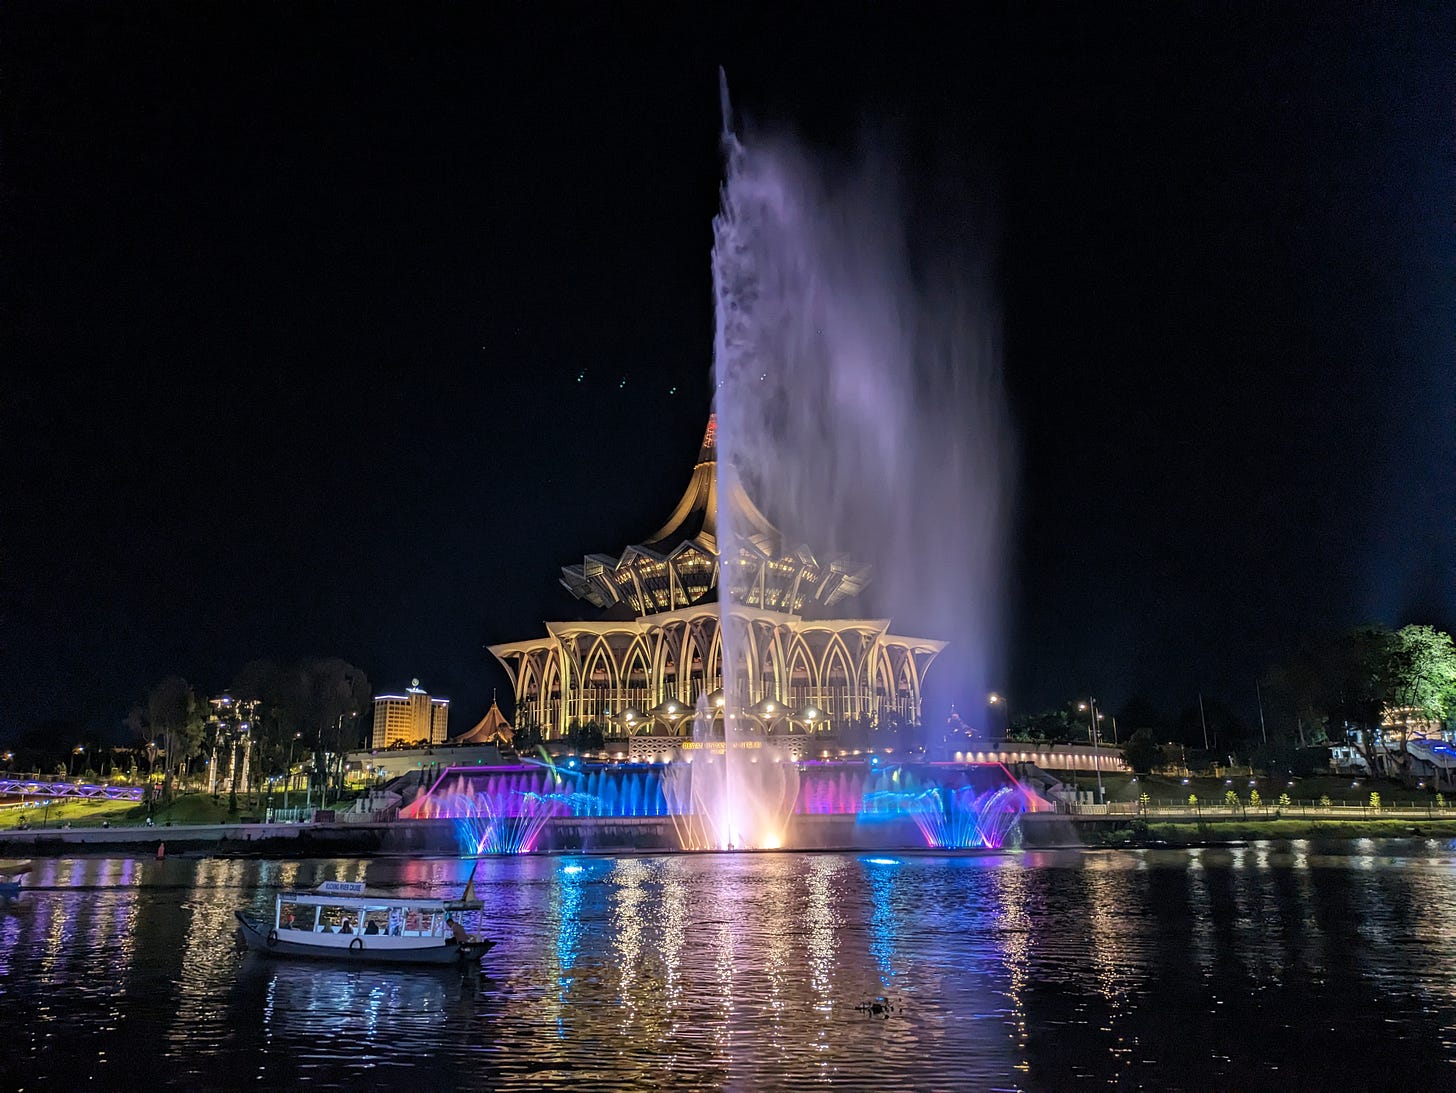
(1091, 706)
(994, 699)
(288, 774)
(77, 750)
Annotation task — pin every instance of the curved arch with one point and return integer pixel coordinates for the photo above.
(635, 662)
(840, 691)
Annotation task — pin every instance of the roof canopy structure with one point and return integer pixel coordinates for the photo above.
(680, 565)
(493, 728)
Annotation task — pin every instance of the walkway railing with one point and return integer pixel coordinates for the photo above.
(1311, 810)
(11, 787)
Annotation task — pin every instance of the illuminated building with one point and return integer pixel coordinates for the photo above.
(411, 718)
(229, 740)
(642, 667)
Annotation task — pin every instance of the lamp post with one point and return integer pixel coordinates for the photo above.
(994, 699)
(1091, 707)
(288, 772)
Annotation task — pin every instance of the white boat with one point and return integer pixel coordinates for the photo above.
(342, 920)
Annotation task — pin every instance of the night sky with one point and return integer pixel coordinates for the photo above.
(296, 299)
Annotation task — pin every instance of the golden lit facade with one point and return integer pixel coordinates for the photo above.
(645, 671)
(411, 718)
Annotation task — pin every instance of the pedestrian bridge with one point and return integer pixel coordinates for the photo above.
(10, 787)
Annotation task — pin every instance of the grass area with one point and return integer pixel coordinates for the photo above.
(75, 813)
(1194, 833)
(191, 808)
(1171, 789)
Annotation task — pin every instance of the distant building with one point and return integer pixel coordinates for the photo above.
(229, 741)
(411, 718)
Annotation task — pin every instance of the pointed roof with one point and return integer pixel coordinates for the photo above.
(695, 518)
(679, 563)
(492, 728)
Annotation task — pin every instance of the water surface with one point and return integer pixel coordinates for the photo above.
(1272, 966)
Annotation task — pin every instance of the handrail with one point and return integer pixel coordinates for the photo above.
(86, 791)
(1264, 811)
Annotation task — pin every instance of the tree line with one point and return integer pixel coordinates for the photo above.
(1371, 687)
(315, 708)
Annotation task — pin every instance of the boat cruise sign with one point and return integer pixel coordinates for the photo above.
(341, 888)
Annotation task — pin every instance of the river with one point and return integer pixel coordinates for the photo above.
(1288, 966)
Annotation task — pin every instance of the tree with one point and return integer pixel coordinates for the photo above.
(1142, 752)
(1410, 676)
(173, 712)
(1421, 683)
(337, 693)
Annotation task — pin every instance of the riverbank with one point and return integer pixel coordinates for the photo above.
(1217, 832)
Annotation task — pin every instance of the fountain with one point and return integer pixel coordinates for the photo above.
(857, 402)
(855, 405)
(739, 798)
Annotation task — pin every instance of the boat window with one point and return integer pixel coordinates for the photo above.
(376, 920)
(333, 920)
(423, 923)
(297, 916)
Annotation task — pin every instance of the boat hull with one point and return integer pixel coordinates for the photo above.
(269, 943)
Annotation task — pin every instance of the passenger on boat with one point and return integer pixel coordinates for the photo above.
(371, 927)
(345, 928)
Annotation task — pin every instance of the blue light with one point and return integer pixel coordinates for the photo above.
(883, 861)
(572, 870)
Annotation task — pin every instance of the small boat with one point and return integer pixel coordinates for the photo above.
(10, 874)
(342, 920)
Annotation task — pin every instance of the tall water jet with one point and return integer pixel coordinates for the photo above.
(741, 799)
(858, 400)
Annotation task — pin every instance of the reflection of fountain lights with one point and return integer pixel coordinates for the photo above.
(672, 906)
(1014, 932)
(884, 922)
(822, 939)
(628, 908)
(565, 911)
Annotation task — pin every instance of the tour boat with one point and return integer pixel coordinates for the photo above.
(342, 920)
(10, 874)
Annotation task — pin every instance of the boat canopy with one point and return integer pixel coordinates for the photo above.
(334, 893)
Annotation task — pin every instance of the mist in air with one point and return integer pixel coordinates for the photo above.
(857, 366)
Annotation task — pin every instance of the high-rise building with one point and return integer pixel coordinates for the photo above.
(411, 718)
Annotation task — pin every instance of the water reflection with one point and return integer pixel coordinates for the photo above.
(1161, 968)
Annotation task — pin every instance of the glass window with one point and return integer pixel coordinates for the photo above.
(376, 920)
(297, 916)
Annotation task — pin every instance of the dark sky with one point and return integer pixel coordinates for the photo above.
(296, 298)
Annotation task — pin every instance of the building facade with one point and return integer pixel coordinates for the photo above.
(411, 718)
(655, 662)
(228, 738)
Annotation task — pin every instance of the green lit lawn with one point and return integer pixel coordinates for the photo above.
(192, 808)
(1185, 834)
(76, 813)
(1171, 790)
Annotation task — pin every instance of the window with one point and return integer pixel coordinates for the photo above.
(297, 916)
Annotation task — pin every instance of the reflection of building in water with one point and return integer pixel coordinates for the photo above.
(657, 648)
